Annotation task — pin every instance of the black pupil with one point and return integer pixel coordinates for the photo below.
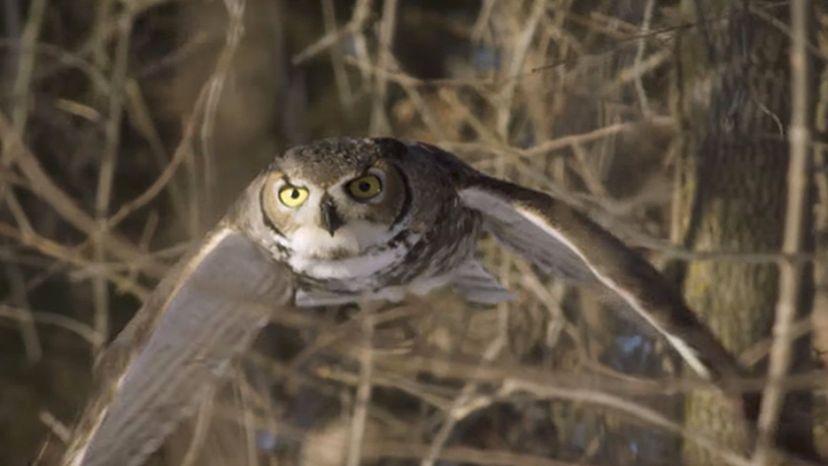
(294, 194)
(364, 186)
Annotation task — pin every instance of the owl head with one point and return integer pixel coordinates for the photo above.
(335, 198)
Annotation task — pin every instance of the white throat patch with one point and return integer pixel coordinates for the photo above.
(314, 242)
(356, 251)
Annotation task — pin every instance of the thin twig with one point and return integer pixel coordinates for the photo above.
(202, 427)
(758, 350)
(379, 119)
(28, 331)
(61, 430)
(343, 84)
(80, 329)
(20, 96)
(597, 134)
(639, 56)
(466, 402)
(519, 57)
(482, 22)
(183, 150)
(22, 84)
(792, 281)
(141, 119)
(354, 27)
(463, 455)
(363, 394)
(235, 32)
(64, 58)
(106, 175)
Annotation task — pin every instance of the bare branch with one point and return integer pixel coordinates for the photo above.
(792, 281)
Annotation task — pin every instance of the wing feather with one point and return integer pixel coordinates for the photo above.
(478, 285)
(559, 239)
(176, 348)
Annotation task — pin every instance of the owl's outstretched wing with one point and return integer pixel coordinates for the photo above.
(557, 238)
(170, 356)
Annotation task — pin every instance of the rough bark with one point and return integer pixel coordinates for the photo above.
(820, 311)
(731, 102)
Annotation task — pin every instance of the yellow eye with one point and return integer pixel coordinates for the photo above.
(293, 196)
(365, 187)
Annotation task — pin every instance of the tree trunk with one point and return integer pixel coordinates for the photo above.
(730, 98)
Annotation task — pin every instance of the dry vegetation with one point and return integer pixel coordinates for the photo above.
(128, 127)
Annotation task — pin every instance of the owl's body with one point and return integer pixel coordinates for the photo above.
(417, 238)
(349, 220)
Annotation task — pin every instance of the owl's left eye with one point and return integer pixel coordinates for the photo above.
(293, 196)
(365, 187)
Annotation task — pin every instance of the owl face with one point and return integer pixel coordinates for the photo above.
(334, 199)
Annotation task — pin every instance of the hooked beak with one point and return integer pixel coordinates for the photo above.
(330, 218)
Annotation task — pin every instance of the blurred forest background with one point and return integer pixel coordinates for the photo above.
(128, 127)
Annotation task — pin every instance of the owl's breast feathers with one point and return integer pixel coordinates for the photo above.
(411, 261)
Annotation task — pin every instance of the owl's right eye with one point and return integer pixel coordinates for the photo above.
(293, 196)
